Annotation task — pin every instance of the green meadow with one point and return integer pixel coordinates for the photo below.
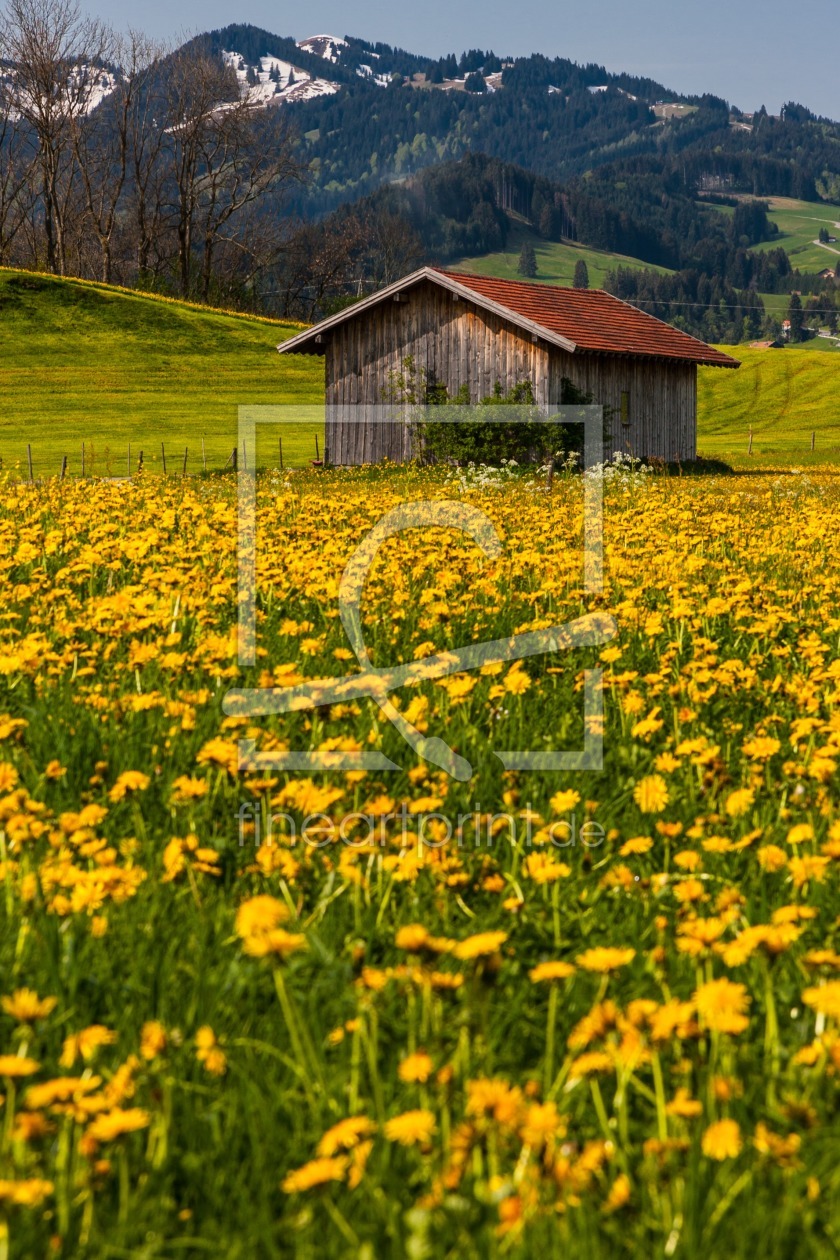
(85, 363)
(782, 396)
(799, 223)
(93, 364)
(555, 261)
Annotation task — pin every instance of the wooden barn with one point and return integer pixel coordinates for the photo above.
(475, 331)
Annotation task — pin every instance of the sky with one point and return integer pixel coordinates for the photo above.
(751, 52)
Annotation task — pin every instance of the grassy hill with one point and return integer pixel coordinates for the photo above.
(87, 363)
(799, 223)
(783, 396)
(90, 363)
(555, 261)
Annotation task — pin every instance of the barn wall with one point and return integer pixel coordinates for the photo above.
(452, 341)
(460, 344)
(663, 400)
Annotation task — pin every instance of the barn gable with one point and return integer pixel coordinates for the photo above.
(474, 331)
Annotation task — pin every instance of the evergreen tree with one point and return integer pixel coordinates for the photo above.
(824, 237)
(474, 82)
(796, 317)
(527, 265)
(581, 280)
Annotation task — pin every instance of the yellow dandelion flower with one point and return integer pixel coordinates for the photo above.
(416, 1068)
(651, 794)
(412, 938)
(825, 999)
(636, 847)
(605, 958)
(739, 802)
(85, 1044)
(117, 1123)
(619, 1195)
(26, 1193)
(153, 1040)
(412, 1128)
(318, 1172)
(721, 1005)
(517, 682)
(481, 945)
(128, 781)
(564, 802)
(548, 971)
(345, 1135)
(684, 1106)
(14, 1066)
(259, 914)
(722, 1140)
(26, 1007)
(209, 1053)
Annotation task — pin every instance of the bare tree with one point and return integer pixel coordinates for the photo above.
(321, 261)
(197, 85)
(16, 191)
(102, 140)
(149, 197)
(243, 161)
(225, 158)
(56, 57)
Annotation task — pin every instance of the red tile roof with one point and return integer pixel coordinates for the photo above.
(594, 320)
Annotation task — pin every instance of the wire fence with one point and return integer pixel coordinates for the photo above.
(90, 460)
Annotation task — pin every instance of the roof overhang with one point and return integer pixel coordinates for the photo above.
(314, 340)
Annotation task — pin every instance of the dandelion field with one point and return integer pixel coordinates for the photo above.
(492, 1044)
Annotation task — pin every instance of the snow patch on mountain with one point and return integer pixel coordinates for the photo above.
(87, 87)
(327, 46)
(274, 82)
(367, 72)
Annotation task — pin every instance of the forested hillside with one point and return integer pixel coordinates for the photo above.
(289, 176)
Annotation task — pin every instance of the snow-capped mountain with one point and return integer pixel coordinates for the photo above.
(271, 80)
(327, 46)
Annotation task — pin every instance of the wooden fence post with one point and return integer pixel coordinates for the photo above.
(163, 457)
(128, 462)
(140, 463)
(63, 467)
(317, 452)
(203, 453)
(186, 451)
(749, 451)
(83, 459)
(29, 459)
(280, 444)
(813, 440)
(235, 458)
(244, 458)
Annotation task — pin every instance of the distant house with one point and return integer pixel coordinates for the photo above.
(468, 331)
(827, 273)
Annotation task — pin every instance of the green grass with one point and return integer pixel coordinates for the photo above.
(89, 363)
(555, 261)
(783, 396)
(799, 223)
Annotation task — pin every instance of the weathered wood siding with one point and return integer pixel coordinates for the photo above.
(662, 400)
(459, 344)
